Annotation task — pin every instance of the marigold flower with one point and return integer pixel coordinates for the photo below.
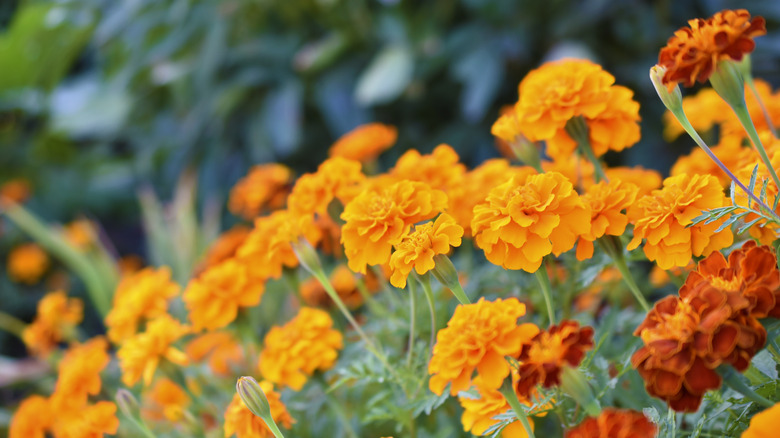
(543, 356)
(343, 281)
(129, 264)
(307, 343)
(520, 222)
(646, 180)
(213, 299)
(365, 142)
(265, 187)
(763, 424)
(441, 169)
(221, 349)
(477, 338)
(15, 191)
(242, 423)
(336, 178)
(607, 201)
(615, 423)
(87, 421)
(165, 401)
(664, 217)
(27, 263)
(141, 354)
(556, 92)
(479, 413)
(579, 171)
(32, 418)
(140, 296)
(378, 219)
(693, 53)
(417, 249)
(55, 321)
(224, 248)
(763, 231)
(80, 233)
(729, 151)
(660, 278)
(79, 372)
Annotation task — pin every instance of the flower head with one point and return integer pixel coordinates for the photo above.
(365, 142)
(80, 233)
(763, 424)
(224, 247)
(293, 352)
(15, 191)
(32, 418)
(646, 180)
(165, 401)
(79, 371)
(615, 423)
(441, 169)
(86, 421)
(693, 53)
(543, 357)
(521, 221)
(141, 354)
(221, 349)
(417, 249)
(55, 321)
(242, 423)
(336, 178)
(378, 219)
(265, 187)
(27, 263)
(477, 338)
(479, 413)
(664, 219)
(607, 201)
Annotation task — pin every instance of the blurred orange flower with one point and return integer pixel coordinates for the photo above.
(165, 401)
(336, 178)
(664, 219)
(579, 171)
(477, 338)
(27, 263)
(79, 372)
(221, 349)
(440, 169)
(646, 179)
(764, 423)
(80, 233)
(615, 423)
(607, 201)
(521, 221)
(265, 187)
(141, 354)
(242, 423)
(365, 142)
(693, 53)
(343, 281)
(224, 247)
(88, 421)
(416, 250)
(479, 413)
(55, 321)
(729, 151)
(293, 352)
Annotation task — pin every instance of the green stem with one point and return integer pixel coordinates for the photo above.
(544, 282)
(732, 379)
(620, 263)
(12, 324)
(752, 85)
(336, 406)
(511, 397)
(372, 304)
(412, 313)
(426, 285)
(577, 129)
(744, 118)
(141, 426)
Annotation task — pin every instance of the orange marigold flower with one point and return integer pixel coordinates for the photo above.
(86, 421)
(762, 231)
(663, 219)
(307, 343)
(213, 299)
(221, 349)
(27, 263)
(660, 278)
(579, 171)
(32, 418)
(141, 354)
(520, 222)
(615, 423)
(165, 401)
(764, 423)
(477, 338)
(378, 219)
(441, 169)
(15, 191)
(479, 413)
(729, 151)
(79, 372)
(80, 233)
(646, 179)
(417, 249)
(693, 53)
(336, 178)
(55, 321)
(365, 142)
(265, 187)
(543, 357)
(607, 201)
(129, 264)
(556, 92)
(343, 281)
(224, 247)
(242, 423)
(140, 296)
(771, 102)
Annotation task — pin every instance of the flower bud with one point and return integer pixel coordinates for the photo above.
(445, 272)
(672, 98)
(254, 398)
(127, 403)
(728, 82)
(307, 256)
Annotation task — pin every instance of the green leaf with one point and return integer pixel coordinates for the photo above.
(386, 77)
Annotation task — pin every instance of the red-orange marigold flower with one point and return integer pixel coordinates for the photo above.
(477, 338)
(242, 423)
(521, 221)
(265, 187)
(615, 423)
(664, 219)
(607, 201)
(417, 249)
(693, 53)
(365, 142)
(543, 357)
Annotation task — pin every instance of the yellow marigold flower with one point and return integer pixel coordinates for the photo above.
(293, 352)
(86, 421)
(416, 251)
(476, 186)
(556, 92)
(522, 221)
(477, 338)
(479, 413)
(55, 321)
(224, 248)
(165, 401)
(543, 356)
(27, 263)
(646, 180)
(140, 296)
(265, 187)
(32, 418)
(578, 170)
(693, 53)
(615, 423)
(336, 178)
(79, 372)
(764, 423)
(441, 169)
(365, 142)
(15, 191)
(663, 218)
(221, 349)
(343, 281)
(607, 201)
(141, 354)
(378, 219)
(80, 233)
(213, 298)
(242, 423)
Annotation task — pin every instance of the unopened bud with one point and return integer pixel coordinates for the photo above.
(672, 98)
(127, 403)
(728, 82)
(307, 256)
(253, 397)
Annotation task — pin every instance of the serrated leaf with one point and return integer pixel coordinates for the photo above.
(747, 225)
(727, 223)
(752, 186)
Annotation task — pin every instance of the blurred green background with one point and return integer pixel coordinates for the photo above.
(100, 98)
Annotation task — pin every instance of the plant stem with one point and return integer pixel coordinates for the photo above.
(426, 285)
(749, 80)
(12, 324)
(620, 263)
(372, 304)
(744, 118)
(511, 397)
(544, 282)
(732, 379)
(412, 313)
(578, 131)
